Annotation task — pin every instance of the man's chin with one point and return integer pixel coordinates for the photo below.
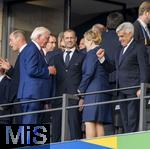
(70, 47)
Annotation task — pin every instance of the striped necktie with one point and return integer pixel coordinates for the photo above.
(67, 58)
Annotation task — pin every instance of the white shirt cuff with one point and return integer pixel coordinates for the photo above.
(101, 60)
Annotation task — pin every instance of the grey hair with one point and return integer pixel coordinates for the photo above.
(39, 31)
(126, 26)
(18, 33)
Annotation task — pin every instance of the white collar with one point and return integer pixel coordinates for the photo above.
(1, 77)
(37, 45)
(72, 50)
(20, 50)
(126, 47)
(129, 43)
(142, 23)
(44, 51)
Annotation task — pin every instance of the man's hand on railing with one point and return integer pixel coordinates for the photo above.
(1, 108)
(81, 102)
(138, 93)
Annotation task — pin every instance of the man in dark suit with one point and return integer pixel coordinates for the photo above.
(17, 42)
(69, 71)
(49, 53)
(142, 32)
(34, 74)
(131, 64)
(111, 47)
(4, 92)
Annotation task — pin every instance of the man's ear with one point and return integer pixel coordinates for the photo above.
(145, 13)
(76, 39)
(38, 36)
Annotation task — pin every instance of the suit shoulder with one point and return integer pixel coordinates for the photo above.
(57, 56)
(30, 48)
(136, 25)
(80, 53)
(32, 45)
(92, 53)
(139, 46)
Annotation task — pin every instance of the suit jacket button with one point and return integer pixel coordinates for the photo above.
(66, 70)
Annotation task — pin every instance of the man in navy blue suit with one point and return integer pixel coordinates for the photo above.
(131, 64)
(17, 42)
(114, 19)
(69, 72)
(34, 74)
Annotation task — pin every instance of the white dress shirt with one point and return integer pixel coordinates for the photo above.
(126, 47)
(20, 50)
(144, 25)
(1, 77)
(71, 53)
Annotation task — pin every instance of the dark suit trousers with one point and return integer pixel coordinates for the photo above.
(74, 120)
(56, 124)
(129, 113)
(148, 51)
(31, 118)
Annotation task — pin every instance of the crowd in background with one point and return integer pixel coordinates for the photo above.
(113, 56)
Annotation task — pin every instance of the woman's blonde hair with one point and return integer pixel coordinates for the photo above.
(94, 36)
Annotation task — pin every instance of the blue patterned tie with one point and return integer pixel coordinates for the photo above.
(67, 58)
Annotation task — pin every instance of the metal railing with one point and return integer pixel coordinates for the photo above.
(65, 107)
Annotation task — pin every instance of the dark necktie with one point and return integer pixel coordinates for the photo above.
(67, 58)
(42, 52)
(121, 55)
(44, 56)
(147, 31)
(147, 36)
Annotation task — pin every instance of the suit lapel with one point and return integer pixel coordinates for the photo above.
(3, 80)
(41, 55)
(127, 52)
(74, 58)
(62, 60)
